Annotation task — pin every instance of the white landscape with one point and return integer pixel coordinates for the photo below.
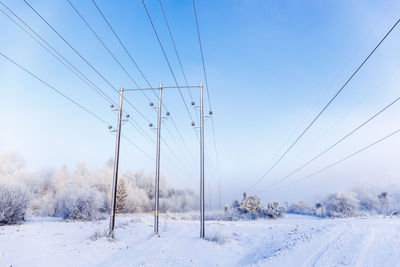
(199, 133)
(291, 241)
(61, 218)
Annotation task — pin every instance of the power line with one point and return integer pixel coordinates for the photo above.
(202, 54)
(86, 61)
(67, 64)
(176, 50)
(325, 107)
(339, 161)
(166, 59)
(121, 43)
(68, 98)
(75, 70)
(142, 74)
(338, 142)
(208, 93)
(104, 45)
(353, 108)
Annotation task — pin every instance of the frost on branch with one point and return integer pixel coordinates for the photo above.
(302, 207)
(13, 202)
(251, 208)
(79, 204)
(121, 197)
(341, 205)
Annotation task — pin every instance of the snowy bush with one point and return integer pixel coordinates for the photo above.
(302, 208)
(250, 204)
(216, 236)
(79, 204)
(368, 203)
(342, 205)
(250, 209)
(13, 202)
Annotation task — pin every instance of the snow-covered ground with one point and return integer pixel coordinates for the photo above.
(291, 241)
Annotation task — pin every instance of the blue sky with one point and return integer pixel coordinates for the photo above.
(269, 64)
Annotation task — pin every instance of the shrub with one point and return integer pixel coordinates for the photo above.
(79, 204)
(13, 202)
(341, 205)
(250, 209)
(301, 208)
(216, 236)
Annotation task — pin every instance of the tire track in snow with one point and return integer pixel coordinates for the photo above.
(315, 257)
(365, 247)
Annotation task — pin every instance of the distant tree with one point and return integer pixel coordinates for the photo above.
(319, 209)
(301, 207)
(250, 204)
(384, 199)
(342, 204)
(10, 164)
(121, 197)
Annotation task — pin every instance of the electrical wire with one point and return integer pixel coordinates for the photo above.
(208, 92)
(175, 48)
(69, 99)
(335, 144)
(143, 76)
(341, 160)
(68, 65)
(326, 106)
(166, 59)
(86, 61)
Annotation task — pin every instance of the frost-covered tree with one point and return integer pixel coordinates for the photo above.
(251, 208)
(13, 202)
(83, 194)
(301, 207)
(79, 204)
(319, 209)
(120, 205)
(250, 204)
(10, 164)
(342, 204)
(384, 201)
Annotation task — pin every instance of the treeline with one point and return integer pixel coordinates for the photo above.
(350, 204)
(80, 194)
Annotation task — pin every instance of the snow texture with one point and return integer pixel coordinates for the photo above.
(294, 240)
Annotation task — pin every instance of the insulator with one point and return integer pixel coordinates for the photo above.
(167, 113)
(193, 124)
(193, 103)
(151, 104)
(210, 112)
(150, 125)
(127, 116)
(109, 127)
(112, 106)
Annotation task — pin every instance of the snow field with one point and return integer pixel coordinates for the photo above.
(291, 241)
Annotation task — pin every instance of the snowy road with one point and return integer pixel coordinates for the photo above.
(292, 241)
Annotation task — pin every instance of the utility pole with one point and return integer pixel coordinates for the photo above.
(116, 164)
(201, 163)
(157, 176)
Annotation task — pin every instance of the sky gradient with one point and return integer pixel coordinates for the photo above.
(271, 65)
